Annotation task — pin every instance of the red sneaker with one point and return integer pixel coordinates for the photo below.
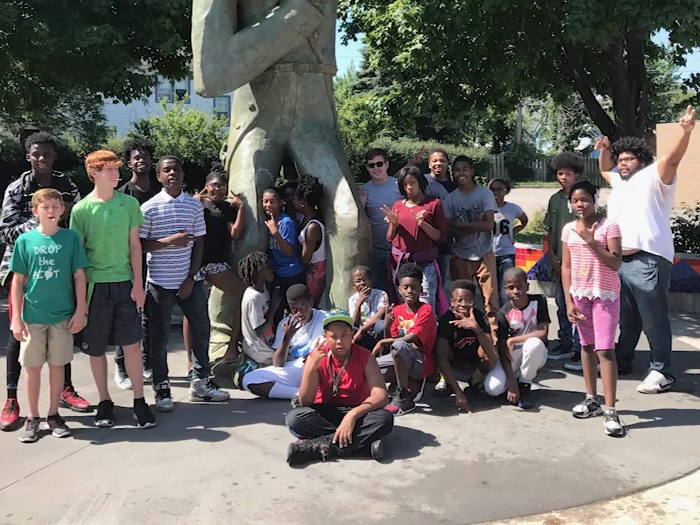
(10, 415)
(70, 399)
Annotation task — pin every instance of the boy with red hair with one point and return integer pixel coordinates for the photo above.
(107, 222)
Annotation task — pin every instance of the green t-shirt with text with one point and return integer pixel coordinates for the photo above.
(104, 229)
(48, 262)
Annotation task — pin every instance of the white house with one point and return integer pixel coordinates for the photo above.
(121, 117)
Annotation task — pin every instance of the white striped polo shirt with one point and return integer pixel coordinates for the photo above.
(164, 216)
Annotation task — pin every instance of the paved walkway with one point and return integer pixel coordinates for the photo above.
(225, 463)
(533, 199)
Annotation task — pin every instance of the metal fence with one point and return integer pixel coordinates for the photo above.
(543, 171)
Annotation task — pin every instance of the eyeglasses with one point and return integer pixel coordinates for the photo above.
(626, 159)
(376, 164)
(463, 302)
(217, 185)
(498, 190)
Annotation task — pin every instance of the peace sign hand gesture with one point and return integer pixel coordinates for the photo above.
(389, 215)
(603, 144)
(687, 121)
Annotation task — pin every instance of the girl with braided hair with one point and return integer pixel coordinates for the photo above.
(312, 237)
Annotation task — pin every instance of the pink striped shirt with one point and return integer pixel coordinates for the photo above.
(590, 278)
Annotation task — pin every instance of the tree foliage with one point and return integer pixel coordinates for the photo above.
(460, 56)
(192, 135)
(55, 53)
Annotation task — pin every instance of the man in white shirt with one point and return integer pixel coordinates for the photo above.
(640, 203)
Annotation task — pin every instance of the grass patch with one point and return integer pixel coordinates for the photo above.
(535, 230)
(536, 184)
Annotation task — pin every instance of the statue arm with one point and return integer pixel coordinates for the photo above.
(225, 59)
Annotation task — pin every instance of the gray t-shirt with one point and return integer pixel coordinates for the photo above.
(469, 207)
(504, 220)
(435, 188)
(379, 195)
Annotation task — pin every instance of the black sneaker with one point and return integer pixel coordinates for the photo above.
(307, 450)
(589, 407)
(574, 364)
(143, 415)
(57, 426)
(561, 351)
(30, 432)
(401, 403)
(376, 450)
(105, 414)
(523, 403)
(624, 369)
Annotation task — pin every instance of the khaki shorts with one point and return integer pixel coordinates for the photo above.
(47, 343)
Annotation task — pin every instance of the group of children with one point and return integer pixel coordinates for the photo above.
(151, 245)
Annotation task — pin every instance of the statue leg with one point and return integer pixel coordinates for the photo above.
(321, 155)
(253, 167)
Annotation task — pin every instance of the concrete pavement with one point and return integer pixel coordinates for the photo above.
(225, 463)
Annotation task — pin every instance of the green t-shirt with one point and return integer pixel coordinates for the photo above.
(48, 262)
(558, 214)
(104, 229)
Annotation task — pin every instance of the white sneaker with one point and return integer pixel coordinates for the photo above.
(611, 423)
(655, 383)
(205, 390)
(122, 381)
(147, 375)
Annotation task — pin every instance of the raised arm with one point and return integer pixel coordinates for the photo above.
(668, 164)
(605, 159)
(226, 58)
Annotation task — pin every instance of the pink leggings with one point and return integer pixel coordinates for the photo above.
(599, 327)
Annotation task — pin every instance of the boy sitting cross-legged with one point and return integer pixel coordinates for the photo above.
(523, 325)
(295, 335)
(341, 397)
(52, 307)
(464, 344)
(173, 235)
(413, 330)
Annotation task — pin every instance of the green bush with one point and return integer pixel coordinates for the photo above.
(402, 151)
(686, 229)
(518, 161)
(535, 230)
(192, 135)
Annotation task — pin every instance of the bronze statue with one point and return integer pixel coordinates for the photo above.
(278, 56)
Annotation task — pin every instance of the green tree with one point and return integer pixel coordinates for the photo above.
(458, 56)
(58, 52)
(192, 135)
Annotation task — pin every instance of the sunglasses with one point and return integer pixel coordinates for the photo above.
(376, 164)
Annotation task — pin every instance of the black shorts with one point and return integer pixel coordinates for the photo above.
(113, 319)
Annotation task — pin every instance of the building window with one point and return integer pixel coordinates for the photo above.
(222, 107)
(173, 91)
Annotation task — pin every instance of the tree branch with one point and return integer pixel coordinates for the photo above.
(584, 88)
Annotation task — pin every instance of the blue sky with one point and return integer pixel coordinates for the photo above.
(350, 54)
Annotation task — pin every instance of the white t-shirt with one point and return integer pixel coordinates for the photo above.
(641, 206)
(254, 308)
(320, 254)
(504, 220)
(301, 342)
(376, 300)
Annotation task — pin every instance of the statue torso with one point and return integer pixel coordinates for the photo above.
(319, 48)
